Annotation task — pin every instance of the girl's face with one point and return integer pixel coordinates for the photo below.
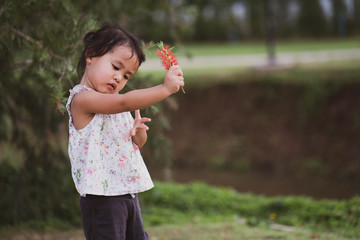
(110, 72)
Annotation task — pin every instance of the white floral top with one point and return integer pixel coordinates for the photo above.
(103, 162)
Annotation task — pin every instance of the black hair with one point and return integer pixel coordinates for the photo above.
(98, 43)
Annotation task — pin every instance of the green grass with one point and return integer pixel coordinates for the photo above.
(249, 47)
(197, 229)
(232, 230)
(226, 74)
(180, 204)
(200, 78)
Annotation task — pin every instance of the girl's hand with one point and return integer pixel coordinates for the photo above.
(139, 125)
(174, 79)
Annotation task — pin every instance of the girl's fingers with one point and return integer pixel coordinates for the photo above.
(139, 124)
(133, 130)
(144, 127)
(137, 114)
(176, 69)
(144, 120)
(179, 73)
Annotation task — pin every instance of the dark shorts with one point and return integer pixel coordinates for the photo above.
(112, 218)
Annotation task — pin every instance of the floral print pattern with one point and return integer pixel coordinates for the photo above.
(103, 162)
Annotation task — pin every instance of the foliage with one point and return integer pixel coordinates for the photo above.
(39, 46)
(39, 43)
(176, 203)
(226, 20)
(311, 21)
(255, 15)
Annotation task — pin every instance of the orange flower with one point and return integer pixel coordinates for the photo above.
(167, 56)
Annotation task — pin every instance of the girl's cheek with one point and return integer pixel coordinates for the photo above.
(124, 84)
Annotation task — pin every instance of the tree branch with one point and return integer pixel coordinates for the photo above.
(36, 42)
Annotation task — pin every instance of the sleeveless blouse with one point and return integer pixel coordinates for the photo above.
(103, 162)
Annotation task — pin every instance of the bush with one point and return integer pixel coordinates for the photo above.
(31, 199)
(172, 203)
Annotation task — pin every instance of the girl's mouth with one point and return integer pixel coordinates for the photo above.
(111, 86)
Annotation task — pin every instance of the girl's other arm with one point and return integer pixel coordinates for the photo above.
(138, 131)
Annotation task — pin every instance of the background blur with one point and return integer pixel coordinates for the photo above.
(271, 104)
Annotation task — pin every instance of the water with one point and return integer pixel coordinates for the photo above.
(267, 184)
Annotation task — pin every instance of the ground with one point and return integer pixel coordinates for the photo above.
(226, 230)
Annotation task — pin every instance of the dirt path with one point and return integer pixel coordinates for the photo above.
(257, 60)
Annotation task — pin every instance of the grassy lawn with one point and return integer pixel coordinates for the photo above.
(249, 47)
(212, 76)
(231, 231)
(227, 73)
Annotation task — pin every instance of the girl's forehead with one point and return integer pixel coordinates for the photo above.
(121, 50)
(125, 54)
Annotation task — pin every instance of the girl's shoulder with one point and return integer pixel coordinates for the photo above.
(73, 91)
(79, 88)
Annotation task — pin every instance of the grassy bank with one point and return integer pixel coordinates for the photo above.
(301, 121)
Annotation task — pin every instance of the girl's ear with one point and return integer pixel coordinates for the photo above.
(88, 60)
(87, 54)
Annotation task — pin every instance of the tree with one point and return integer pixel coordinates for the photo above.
(339, 17)
(284, 22)
(255, 17)
(39, 42)
(270, 31)
(311, 21)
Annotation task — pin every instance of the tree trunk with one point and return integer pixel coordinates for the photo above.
(270, 31)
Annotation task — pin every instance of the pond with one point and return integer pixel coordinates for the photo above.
(267, 184)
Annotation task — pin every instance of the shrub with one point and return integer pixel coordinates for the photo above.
(168, 202)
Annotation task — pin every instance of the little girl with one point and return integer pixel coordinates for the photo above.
(104, 139)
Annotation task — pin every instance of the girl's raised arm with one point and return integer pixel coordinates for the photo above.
(89, 102)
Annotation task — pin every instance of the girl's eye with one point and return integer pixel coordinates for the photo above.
(115, 67)
(126, 77)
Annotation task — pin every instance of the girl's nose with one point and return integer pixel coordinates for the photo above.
(117, 78)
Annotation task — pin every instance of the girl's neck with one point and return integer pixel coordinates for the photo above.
(86, 83)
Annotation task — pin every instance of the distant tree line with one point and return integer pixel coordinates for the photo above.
(233, 20)
(228, 20)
